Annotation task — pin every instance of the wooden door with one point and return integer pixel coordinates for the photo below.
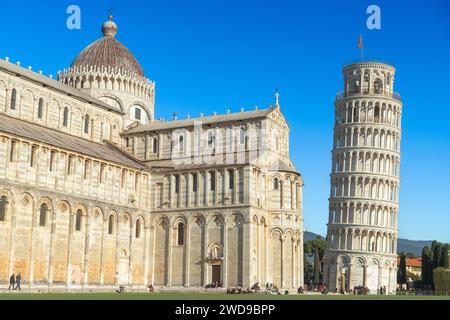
(216, 274)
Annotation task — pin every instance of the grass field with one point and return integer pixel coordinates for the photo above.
(203, 296)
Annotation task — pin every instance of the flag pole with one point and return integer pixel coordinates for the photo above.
(361, 46)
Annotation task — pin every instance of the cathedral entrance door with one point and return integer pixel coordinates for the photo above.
(216, 273)
(123, 271)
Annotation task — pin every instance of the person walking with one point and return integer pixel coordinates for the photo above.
(12, 281)
(18, 280)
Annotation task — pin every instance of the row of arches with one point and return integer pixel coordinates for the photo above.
(366, 161)
(367, 270)
(52, 240)
(369, 82)
(186, 248)
(364, 187)
(108, 80)
(363, 214)
(363, 111)
(285, 192)
(46, 210)
(365, 240)
(75, 174)
(55, 114)
(367, 137)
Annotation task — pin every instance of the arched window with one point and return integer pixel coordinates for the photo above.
(13, 99)
(181, 143)
(137, 113)
(180, 234)
(87, 168)
(86, 124)
(111, 224)
(40, 108)
(355, 114)
(378, 86)
(124, 178)
(155, 145)
(377, 114)
(66, 117)
(242, 136)
(78, 218)
(275, 184)
(212, 181)
(3, 207)
(177, 184)
(231, 179)
(43, 215)
(138, 229)
(212, 141)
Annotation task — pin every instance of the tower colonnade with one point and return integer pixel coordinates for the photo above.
(365, 181)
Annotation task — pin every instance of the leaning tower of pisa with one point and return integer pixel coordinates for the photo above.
(363, 204)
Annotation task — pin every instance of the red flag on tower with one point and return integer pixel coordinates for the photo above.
(360, 46)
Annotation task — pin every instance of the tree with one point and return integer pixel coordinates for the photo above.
(427, 267)
(310, 249)
(316, 266)
(318, 242)
(444, 256)
(309, 271)
(401, 273)
(442, 279)
(436, 247)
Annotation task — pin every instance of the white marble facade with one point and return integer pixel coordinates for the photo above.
(94, 192)
(365, 179)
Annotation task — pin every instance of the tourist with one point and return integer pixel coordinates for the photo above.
(12, 281)
(18, 280)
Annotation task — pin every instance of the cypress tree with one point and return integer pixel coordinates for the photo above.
(401, 273)
(436, 248)
(444, 257)
(316, 266)
(427, 266)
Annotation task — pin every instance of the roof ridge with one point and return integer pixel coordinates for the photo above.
(33, 76)
(191, 121)
(59, 139)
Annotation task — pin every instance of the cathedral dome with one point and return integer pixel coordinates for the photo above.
(107, 52)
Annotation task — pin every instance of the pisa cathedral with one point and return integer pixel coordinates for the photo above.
(365, 178)
(95, 192)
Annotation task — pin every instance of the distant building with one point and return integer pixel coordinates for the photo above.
(413, 266)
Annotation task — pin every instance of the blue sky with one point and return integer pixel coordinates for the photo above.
(208, 56)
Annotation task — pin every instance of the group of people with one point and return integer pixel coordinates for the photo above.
(216, 285)
(356, 290)
(253, 289)
(382, 290)
(272, 289)
(14, 282)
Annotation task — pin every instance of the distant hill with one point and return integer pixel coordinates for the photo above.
(408, 246)
(311, 236)
(412, 246)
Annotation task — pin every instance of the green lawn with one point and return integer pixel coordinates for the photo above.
(202, 296)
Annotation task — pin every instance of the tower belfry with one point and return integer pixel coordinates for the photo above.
(365, 178)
